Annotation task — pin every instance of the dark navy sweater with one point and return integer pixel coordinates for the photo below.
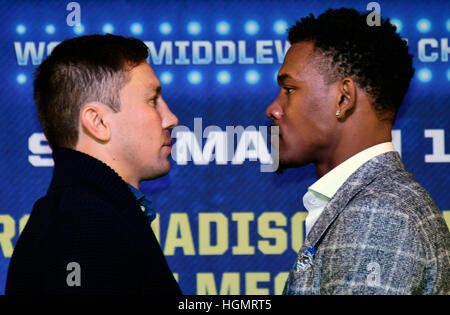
(88, 217)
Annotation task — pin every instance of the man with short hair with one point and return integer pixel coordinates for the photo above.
(101, 109)
(371, 228)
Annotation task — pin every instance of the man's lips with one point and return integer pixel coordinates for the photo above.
(168, 143)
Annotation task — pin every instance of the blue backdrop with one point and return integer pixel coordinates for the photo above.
(224, 227)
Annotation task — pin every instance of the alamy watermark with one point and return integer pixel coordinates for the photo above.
(73, 279)
(235, 144)
(374, 277)
(74, 17)
(374, 17)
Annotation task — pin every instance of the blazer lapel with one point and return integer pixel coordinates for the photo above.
(362, 177)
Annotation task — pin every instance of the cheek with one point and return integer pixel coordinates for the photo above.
(317, 116)
(151, 126)
(143, 128)
(305, 126)
(298, 120)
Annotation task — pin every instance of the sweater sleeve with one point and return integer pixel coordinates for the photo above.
(94, 254)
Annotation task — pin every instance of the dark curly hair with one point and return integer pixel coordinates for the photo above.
(375, 57)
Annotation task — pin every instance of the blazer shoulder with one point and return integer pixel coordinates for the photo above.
(401, 191)
(395, 214)
(396, 199)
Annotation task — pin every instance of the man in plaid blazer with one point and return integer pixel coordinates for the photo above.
(371, 228)
(381, 233)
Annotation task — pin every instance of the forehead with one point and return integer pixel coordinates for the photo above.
(143, 77)
(297, 59)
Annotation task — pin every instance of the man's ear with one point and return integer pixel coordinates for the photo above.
(346, 98)
(94, 123)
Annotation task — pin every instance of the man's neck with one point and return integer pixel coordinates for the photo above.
(109, 159)
(346, 150)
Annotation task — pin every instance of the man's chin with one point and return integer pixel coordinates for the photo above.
(154, 174)
(282, 166)
(285, 163)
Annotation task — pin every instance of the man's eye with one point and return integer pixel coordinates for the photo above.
(288, 90)
(153, 100)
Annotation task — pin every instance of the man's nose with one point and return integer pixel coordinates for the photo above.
(169, 120)
(274, 111)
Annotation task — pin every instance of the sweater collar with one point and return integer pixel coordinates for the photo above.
(74, 167)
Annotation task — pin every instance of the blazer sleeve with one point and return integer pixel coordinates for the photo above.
(375, 248)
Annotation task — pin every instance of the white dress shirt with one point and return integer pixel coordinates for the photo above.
(321, 192)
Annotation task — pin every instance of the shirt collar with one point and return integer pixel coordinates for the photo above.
(144, 203)
(328, 184)
(137, 193)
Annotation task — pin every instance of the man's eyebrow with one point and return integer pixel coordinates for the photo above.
(283, 77)
(154, 90)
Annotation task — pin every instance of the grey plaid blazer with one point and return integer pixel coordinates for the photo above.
(381, 233)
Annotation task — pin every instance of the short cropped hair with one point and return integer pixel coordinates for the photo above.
(375, 57)
(80, 70)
